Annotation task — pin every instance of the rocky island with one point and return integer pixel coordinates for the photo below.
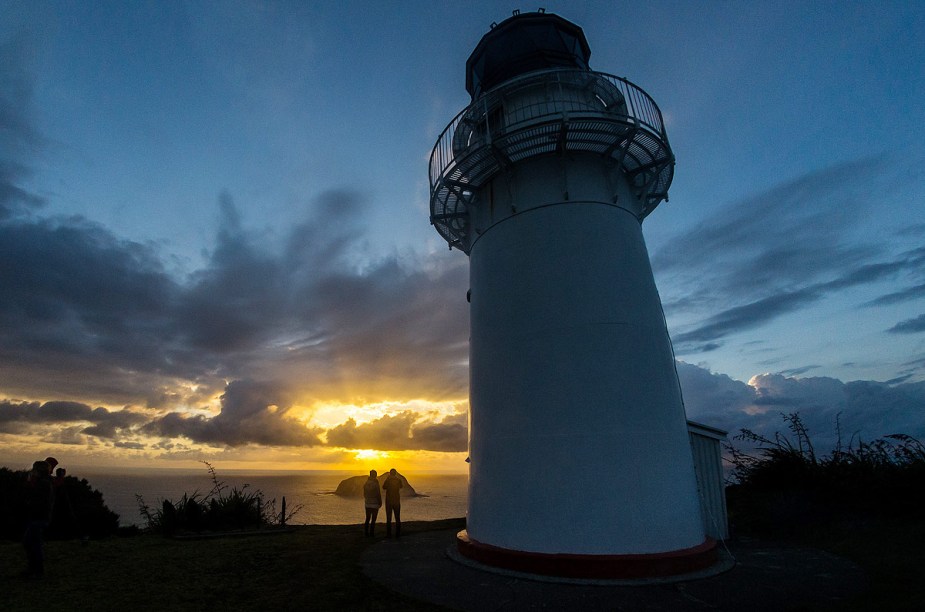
(353, 486)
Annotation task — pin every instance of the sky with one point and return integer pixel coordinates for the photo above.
(214, 235)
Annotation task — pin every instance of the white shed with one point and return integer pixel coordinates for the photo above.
(706, 447)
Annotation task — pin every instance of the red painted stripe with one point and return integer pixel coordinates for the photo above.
(654, 565)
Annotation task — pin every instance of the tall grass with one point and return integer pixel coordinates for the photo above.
(221, 509)
(783, 485)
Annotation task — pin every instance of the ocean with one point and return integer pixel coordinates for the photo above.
(442, 495)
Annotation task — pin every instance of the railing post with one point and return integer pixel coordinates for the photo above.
(629, 96)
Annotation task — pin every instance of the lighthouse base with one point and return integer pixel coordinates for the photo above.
(592, 567)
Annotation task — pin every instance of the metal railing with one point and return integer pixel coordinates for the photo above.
(541, 113)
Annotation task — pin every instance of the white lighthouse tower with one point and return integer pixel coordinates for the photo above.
(580, 463)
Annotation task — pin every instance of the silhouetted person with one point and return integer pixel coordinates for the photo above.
(392, 486)
(52, 464)
(40, 501)
(373, 500)
(64, 520)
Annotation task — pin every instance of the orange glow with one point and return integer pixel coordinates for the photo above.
(368, 454)
(332, 413)
(136, 450)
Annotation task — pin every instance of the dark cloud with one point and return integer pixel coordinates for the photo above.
(92, 317)
(130, 445)
(862, 409)
(85, 314)
(260, 413)
(765, 310)
(908, 294)
(444, 436)
(915, 229)
(798, 371)
(403, 431)
(88, 315)
(239, 299)
(251, 413)
(778, 253)
(784, 235)
(15, 416)
(18, 140)
(747, 316)
(713, 399)
(909, 326)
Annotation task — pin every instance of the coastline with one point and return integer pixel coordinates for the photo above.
(440, 495)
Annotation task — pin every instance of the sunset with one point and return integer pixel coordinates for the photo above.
(276, 313)
(215, 236)
(626, 297)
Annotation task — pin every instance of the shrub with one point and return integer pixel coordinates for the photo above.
(79, 508)
(783, 486)
(219, 510)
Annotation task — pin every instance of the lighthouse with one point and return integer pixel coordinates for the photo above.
(580, 463)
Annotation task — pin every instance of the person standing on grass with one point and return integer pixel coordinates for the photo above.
(392, 486)
(52, 464)
(64, 520)
(373, 498)
(40, 501)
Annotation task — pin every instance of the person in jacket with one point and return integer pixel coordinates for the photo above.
(40, 502)
(372, 497)
(392, 486)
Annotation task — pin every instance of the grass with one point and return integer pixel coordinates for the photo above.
(310, 567)
(316, 568)
(219, 510)
(864, 503)
(891, 553)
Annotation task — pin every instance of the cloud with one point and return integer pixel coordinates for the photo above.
(251, 413)
(406, 430)
(238, 300)
(261, 414)
(18, 139)
(310, 314)
(780, 252)
(16, 416)
(862, 409)
(86, 314)
(90, 316)
(745, 317)
(760, 312)
(95, 318)
(783, 235)
(130, 445)
(713, 399)
(908, 294)
(909, 326)
(798, 371)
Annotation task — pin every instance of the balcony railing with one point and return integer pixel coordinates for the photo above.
(546, 113)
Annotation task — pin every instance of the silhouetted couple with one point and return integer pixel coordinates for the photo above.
(373, 499)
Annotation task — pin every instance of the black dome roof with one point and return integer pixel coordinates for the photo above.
(524, 43)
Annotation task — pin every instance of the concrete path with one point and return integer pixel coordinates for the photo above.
(763, 576)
